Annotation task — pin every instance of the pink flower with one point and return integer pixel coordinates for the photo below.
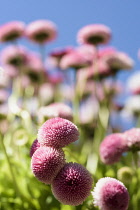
(57, 54)
(41, 31)
(11, 31)
(57, 132)
(34, 147)
(75, 59)
(34, 68)
(94, 34)
(117, 61)
(46, 162)
(112, 148)
(72, 185)
(132, 137)
(110, 194)
(56, 110)
(15, 56)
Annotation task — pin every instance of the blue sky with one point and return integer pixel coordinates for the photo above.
(122, 16)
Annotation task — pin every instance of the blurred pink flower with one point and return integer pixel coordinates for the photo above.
(110, 194)
(57, 132)
(57, 54)
(34, 68)
(75, 59)
(46, 162)
(72, 185)
(41, 31)
(94, 34)
(12, 55)
(11, 31)
(132, 137)
(112, 148)
(46, 93)
(117, 60)
(56, 110)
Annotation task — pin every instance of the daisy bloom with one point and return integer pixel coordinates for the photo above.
(112, 148)
(132, 137)
(11, 31)
(41, 31)
(110, 194)
(72, 184)
(46, 162)
(94, 34)
(57, 132)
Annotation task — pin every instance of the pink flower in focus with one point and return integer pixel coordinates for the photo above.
(112, 148)
(46, 162)
(11, 31)
(132, 137)
(56, 110)
(110, 194)
(72, 185)
(57, 132)
(41, 31)
(34, 147)
(94, 34)
(15, 56)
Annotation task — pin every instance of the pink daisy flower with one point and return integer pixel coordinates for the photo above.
(75, 59)
(94, 34)
(118, 61)
(112, 148)
(110, 194)
(132, 137)
(72, 185)
(11, 31)
(46, 162)
(56, 110)
(15, 56)
(41, 31)
(57, 132)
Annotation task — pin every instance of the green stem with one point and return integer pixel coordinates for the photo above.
(18, 192)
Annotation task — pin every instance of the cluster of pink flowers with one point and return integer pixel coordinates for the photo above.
(71, 182)
(114, 145)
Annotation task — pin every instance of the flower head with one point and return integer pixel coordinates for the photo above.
(75, 59)
(94, 34)
(34, 147)
(11, 31)
(117, 60)
(15, 56)
(56, 110)
(132, 137)
(41, 31)
(57, 132)
(46, 162)
(110, 194)
(72, 185)
(112, 147)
